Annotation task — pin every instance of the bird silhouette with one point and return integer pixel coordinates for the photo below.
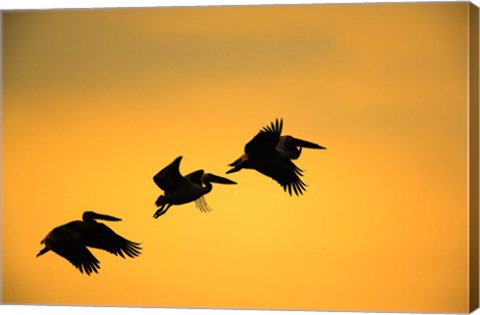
(72, 239)
(271, 154)
(180, 189)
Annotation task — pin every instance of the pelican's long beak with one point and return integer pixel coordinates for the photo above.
(307, 144)
(106, 217)
(220, 180)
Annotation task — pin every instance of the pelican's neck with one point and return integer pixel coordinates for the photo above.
(207, 186)
(286, 148)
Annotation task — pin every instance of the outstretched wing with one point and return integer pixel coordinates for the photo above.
(169, 178)
(287, 175)
(69, 245)
(80, 257)
(265, 141)
(102, 237)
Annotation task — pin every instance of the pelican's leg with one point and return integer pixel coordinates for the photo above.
(161, 210)
(237, 164)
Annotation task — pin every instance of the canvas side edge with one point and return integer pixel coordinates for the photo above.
(473, 97)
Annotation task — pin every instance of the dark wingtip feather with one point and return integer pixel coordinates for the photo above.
(275, 126)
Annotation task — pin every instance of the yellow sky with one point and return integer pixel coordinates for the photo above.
(97, 101)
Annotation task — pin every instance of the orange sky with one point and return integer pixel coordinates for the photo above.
(97, 101)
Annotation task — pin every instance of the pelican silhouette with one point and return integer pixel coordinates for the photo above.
(180, 189)
(270, 154)
(72, 239)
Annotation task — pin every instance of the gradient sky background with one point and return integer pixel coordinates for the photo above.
(97, 101)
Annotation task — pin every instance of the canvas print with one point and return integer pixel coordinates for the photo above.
(281, 157)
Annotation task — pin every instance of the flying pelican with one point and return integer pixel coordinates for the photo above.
(270, 154)
(180, 189)
(72, 239)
